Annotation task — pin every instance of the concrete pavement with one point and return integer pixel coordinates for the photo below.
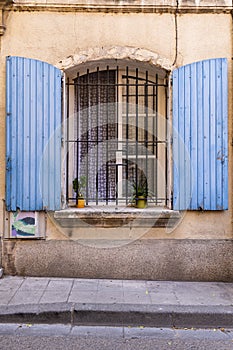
(116, 302)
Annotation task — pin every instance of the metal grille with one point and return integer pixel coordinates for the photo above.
(117, 136)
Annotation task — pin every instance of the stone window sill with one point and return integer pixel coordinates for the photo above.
(110, 217)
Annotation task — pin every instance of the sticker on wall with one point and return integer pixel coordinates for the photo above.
(23, 224)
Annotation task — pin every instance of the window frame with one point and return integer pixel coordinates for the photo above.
(68, 110)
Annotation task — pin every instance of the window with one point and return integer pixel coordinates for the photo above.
(122, 140)
(117, 135)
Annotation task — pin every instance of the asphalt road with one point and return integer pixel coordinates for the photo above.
(60, 337)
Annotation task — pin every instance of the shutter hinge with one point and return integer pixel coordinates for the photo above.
(8, 164)
(63, 201)
(172, 199)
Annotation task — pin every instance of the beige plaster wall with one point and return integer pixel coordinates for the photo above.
(53, 36)
(204, 36)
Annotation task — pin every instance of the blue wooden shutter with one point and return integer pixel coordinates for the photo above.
(33, 139)
(200, 136)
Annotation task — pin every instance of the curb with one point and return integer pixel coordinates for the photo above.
(121, 315)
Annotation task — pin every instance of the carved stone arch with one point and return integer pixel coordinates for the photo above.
(121, 53)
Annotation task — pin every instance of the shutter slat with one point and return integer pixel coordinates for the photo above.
(200, 160)
(225, 133)
(198, 182)
(194, 132)
(33, 120)
(187, 130)
(213, 135)
(206, 134)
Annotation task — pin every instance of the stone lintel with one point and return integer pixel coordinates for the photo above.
(122, 53)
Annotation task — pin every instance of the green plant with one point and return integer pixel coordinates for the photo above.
(140, 188)
(140, 193)
(79, 185)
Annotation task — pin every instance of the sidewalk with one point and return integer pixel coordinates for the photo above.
(116, 302)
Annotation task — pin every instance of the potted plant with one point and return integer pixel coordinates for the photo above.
(140, 193)
(78, 187)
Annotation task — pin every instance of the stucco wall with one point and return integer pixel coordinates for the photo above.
(53, 36)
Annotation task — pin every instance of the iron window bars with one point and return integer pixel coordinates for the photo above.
(117, 135)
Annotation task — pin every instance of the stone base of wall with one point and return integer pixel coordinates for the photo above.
(184, 260)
